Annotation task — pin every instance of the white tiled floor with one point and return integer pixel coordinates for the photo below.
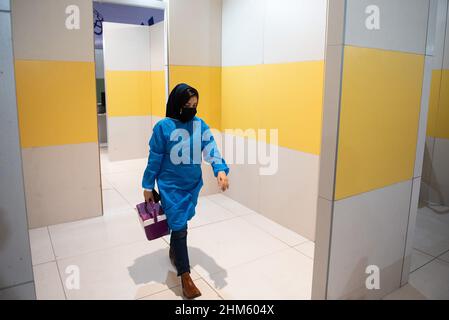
(47, 281)
(429, 277)
(432, 232)
(285, 275)
(419, 259)
(41, 247)
(235, 253)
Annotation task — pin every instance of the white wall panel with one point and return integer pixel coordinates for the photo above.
(56, 178)
(446, 42)
(15, 254)
(411, 230)
(440, 174)
(126, 47)
(243, 32)
(423, 116)
(128, 137)
(289, 197)
(368, 229)
(195, 32)
(5, 5)
(402, 24)
(330, 120)
(244, 179)
(157, 43)
(294, 30)
(40, 33)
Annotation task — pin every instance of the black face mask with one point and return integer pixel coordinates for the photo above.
(187, 114)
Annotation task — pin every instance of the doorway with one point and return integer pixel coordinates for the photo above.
(131, 78)
(428, 276)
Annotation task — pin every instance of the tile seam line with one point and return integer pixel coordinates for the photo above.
(17, 285)
(213, 289)
(426, 253)
(120, 194)
(219, 204)
(161, 290)
(260, 228)
(177, 286)
(249, 223)
(432, 259)
(428, 262)
(441, 259)
(211, 223)
(56, 262)
(303, 254)
(120, 171)
(42, 263)
(447, 251)
(252, 260)
(433, 256)
(78, 255)
(275, 237)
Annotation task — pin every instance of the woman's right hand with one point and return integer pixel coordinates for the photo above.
(148, 195)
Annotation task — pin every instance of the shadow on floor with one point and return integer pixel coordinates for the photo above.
(141, 273)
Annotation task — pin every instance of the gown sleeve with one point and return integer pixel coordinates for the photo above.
(210, 151)
(157, 149)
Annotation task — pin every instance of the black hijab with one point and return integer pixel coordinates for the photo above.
(177, 99)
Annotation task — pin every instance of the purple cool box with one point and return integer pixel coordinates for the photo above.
(153, 220)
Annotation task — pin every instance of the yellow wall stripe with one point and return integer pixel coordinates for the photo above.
(158, 98)
(287, 97)
(207, 80)
(438, 118)
(56, 102)
(242, 89)
(434, 98)
(379, 119)
(128, 93)
(293, 95)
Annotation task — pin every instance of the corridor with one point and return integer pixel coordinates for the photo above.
(235, 252)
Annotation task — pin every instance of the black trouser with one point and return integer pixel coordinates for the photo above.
(178, 243)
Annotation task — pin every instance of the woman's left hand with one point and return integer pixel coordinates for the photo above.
(223, 182)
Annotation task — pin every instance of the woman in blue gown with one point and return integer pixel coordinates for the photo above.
(176, 148)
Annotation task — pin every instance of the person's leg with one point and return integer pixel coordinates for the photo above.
(178, 251)
(178, 245)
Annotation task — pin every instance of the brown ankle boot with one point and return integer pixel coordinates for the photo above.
(171, 254)
(189, 289)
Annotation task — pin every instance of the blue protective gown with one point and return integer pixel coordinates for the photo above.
(179, 184)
